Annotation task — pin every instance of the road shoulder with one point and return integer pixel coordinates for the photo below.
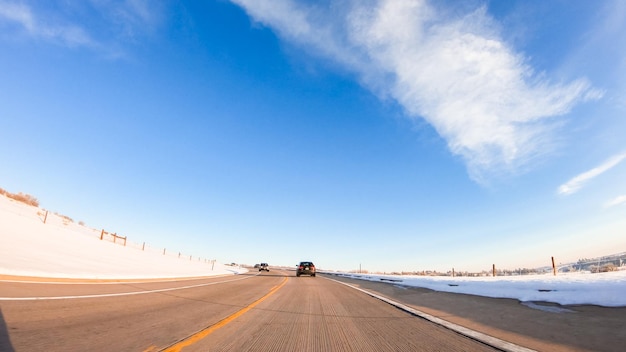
(573, 328)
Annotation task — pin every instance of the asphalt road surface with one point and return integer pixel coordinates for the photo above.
(268, 311)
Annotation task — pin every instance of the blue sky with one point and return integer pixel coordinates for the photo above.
(386, 135)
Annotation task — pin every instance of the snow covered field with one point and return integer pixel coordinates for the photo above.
(63, 249)
(605, 289)
(60, 248)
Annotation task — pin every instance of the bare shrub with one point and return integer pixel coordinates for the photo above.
(24, 198)
(603, 268)
(65, 217)
(608, 267)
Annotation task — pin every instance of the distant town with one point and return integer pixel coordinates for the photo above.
(602, 264)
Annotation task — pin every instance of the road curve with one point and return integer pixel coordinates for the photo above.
(317, 314)
(272, 311)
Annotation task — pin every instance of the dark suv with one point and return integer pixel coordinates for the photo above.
(264, 266)
(306, 268)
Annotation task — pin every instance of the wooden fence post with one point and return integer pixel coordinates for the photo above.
(102, 235)
(493, 270)
(553, 267)
(143, 248)
(45, 217)
(163, 251)
(452, 272)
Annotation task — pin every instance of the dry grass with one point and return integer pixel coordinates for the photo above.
(66, 219)
(21, 197)
(30, 200)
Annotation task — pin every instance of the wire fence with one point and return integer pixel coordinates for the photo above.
(60, 220)
(143, 246)
(613, 262)
(607, 263)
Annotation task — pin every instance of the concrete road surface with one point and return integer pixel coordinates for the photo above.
(271, 311)
(276, 311)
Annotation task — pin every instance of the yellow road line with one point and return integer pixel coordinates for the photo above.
(204, 333)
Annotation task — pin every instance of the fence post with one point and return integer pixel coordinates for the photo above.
(493, 269)
(115, 237)
(102, 235)
(45, 217)
(452, 272)
(163, 251)
(143, 248)
(553, 267)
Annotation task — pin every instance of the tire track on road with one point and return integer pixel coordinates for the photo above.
(190, 340)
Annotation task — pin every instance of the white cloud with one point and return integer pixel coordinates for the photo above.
(454, 71)
(19, 14)
(130, 18)
(576, 183)
(23, 16)
(78, 24)
(617, 201)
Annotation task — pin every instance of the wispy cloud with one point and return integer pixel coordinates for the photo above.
(576, 183)
(17, 13)
(96, 24)
(130, 19)
(617, 201)
(23, 17)
(453, 70)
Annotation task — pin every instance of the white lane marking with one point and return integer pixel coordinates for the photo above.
(119, 294)
(484, 338)
(115, 281)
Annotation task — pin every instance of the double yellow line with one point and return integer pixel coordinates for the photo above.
(207, 331)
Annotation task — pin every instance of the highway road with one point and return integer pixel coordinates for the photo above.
(268, 311)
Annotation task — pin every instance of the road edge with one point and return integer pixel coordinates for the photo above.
(475, 335)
